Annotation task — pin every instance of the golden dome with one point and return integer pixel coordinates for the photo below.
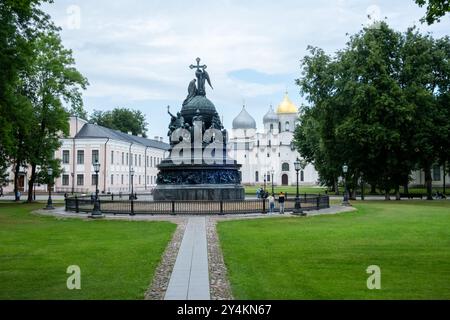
(286, 106)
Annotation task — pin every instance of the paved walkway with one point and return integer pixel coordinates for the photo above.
(190, 278)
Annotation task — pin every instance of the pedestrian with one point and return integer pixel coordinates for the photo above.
(271, 203)
(281, 201)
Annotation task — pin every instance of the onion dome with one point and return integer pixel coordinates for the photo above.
(286, 106)
(244, 121)
(270, 116)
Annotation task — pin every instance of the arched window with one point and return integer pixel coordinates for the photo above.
(271, 127)
(288, 126)
(285, 166)
(256, 176)
(279, 126)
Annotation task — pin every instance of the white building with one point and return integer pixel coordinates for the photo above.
(260, 153)
(117, 154)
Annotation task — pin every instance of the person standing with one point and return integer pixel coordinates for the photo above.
(271, 203)
(281, 201)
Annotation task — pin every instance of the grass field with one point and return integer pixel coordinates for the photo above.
(326, 257)
(117, 258)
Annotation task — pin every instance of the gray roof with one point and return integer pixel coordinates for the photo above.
(244, 121)
(92, 131)
(270, 116)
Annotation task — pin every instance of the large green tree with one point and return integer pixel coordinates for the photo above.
(379, 105)
(121, 119)
(20, 21)
(51, 81)
(436, 9)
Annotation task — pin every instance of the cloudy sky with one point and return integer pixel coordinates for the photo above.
(136, 53)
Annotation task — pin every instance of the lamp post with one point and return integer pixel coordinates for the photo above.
(132, 187)
(50, 179)
(298, 165)
(272, 173)
(345, 170)
(96, 212)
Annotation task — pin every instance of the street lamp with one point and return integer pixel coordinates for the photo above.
(132, 187)
(298, 165)
(345, 171)
(96, 212)
(272, 173)
(49, 201)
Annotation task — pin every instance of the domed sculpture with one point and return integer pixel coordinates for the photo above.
(244, 121)
(198, 166)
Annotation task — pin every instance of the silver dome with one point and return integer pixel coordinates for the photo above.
(270, 116)
(244, 121)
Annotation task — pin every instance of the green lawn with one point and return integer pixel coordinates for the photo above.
(117, 258)
(326, 257)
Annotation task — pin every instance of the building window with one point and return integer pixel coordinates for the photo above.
(65, 180)
(285, 166)
(112, 179)
(94, 156)
(270, 143)
(112, 157)
(257, 143)
(268, 155)
(123, 158)
(94, 179)
(135, 159)
(66, 157)
(256, 176)
(271, 127)
(80, 157)
(436, 173)
(140, 160)
(279, 126)
(146, 162)
(288, 126)
(302, 176)
(121, 179)
(268, 176)
(80, 180)
(247, 146)
(127, 158)
(139, 179)
(151, 161)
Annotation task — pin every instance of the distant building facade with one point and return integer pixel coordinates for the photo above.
(117, 154)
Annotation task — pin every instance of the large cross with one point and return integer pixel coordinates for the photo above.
(198, 66)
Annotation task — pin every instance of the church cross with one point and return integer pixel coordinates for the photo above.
(198, 66)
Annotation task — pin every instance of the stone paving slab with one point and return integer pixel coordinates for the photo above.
(190, 278)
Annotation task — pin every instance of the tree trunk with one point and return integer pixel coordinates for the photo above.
(406, 189)
(443, 185)
(397, 193)
(16, 181)
(31, 183)
(336, 187)
(373, 189)
(428, 182)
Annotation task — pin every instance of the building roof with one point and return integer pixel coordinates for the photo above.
(270, 116)
(92, 131)
(286, 106)
(244, 121)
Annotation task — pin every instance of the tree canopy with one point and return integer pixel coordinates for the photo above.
(380, 105)
(436, 9)
(121, 119)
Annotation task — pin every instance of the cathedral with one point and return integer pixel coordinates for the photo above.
(269, 154)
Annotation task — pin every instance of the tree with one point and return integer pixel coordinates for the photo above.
(21, 21)
(51, 80)
(435, 9)
(380, 105)
(121, 119)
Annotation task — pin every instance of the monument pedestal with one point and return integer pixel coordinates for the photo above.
(202, 192)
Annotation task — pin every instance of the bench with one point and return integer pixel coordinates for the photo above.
(411, 196)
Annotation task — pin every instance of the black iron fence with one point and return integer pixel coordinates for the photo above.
(138, 205)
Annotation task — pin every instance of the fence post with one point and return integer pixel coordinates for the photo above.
(77, 205)
(132, 206)
(173, 208)
(318, 202)
(264, 205)
(221, 207)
